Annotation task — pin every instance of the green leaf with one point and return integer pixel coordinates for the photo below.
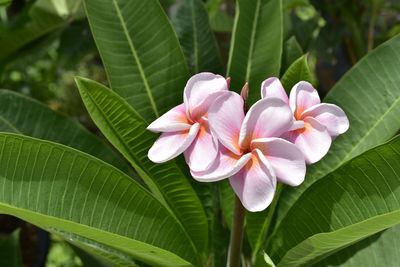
(76, 42)
(208, 194)
(298, 71)
(355, 201)
(43, 19)
(287, 4)
(140, 52)
(227, 197)
(291, 51)
(256, 45)
(95, 251)
(381, 249)
(62, 8)
(88, 259)
(258, 223)
(222, 22)
(350, 14)
(23, 115)
(197, 40)
(5, 2)
(126, 130)
(263, 260)
(10, 251)
(370, 96)
(51, 185)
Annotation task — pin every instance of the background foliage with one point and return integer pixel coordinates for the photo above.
(146, 60)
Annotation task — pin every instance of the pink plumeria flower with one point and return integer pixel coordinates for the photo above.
(185, 127)
(315, 124)
(251, 153)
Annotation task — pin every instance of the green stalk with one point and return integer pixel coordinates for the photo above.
(235, 246)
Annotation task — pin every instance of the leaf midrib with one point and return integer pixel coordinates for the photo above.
(251, 46)
(345, 158)
(370, 130)
(158, 195)
(127, 148)
(195, 47)
(7, 122)
(343, 229)
(76, 225)
(139, 64)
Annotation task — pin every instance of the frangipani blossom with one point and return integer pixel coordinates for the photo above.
(315, 124)
(250, 152)
(185, 127)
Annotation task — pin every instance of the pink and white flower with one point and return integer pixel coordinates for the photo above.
(185, 127)
(315, 124)
(250, 152)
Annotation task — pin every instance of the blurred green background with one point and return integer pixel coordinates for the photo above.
(45, 43)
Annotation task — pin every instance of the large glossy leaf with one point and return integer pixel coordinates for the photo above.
(298, 71)
(56, 186)
(256, 46)
(196, 38)
(370, 95)
(291, 51)
(92, 259)
(227, 197)
(140, 52)
(98, 250)
(10, 250)
(126, 130)
(23, 115)
(381, 249)
(258, 224)
(355, 201)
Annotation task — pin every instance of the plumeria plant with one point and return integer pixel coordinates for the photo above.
(213, 164)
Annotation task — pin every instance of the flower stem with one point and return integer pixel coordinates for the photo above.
(235, 246)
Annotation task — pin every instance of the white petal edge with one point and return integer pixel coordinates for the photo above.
(314, 141)
(303, 96)
(268, 117)
(272, 87)
(225, 165)
(226, 117)
(202, 152)
(172, 121)
(199, 87)
(170, 145)
(285, 158)
(255, 186)
(329, 115)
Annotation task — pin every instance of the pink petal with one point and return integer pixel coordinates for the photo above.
(203, 150)
(313, 140)
(172, 121)
(255, 183)
(268, 117)
(170, 145)
(226, 116)
(225, 165)
(329, 115)
(272, 87)
(200, 91)
(285, 158)
(303, 96)
(297, 125)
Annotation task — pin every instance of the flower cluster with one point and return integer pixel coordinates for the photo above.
(271, 143)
